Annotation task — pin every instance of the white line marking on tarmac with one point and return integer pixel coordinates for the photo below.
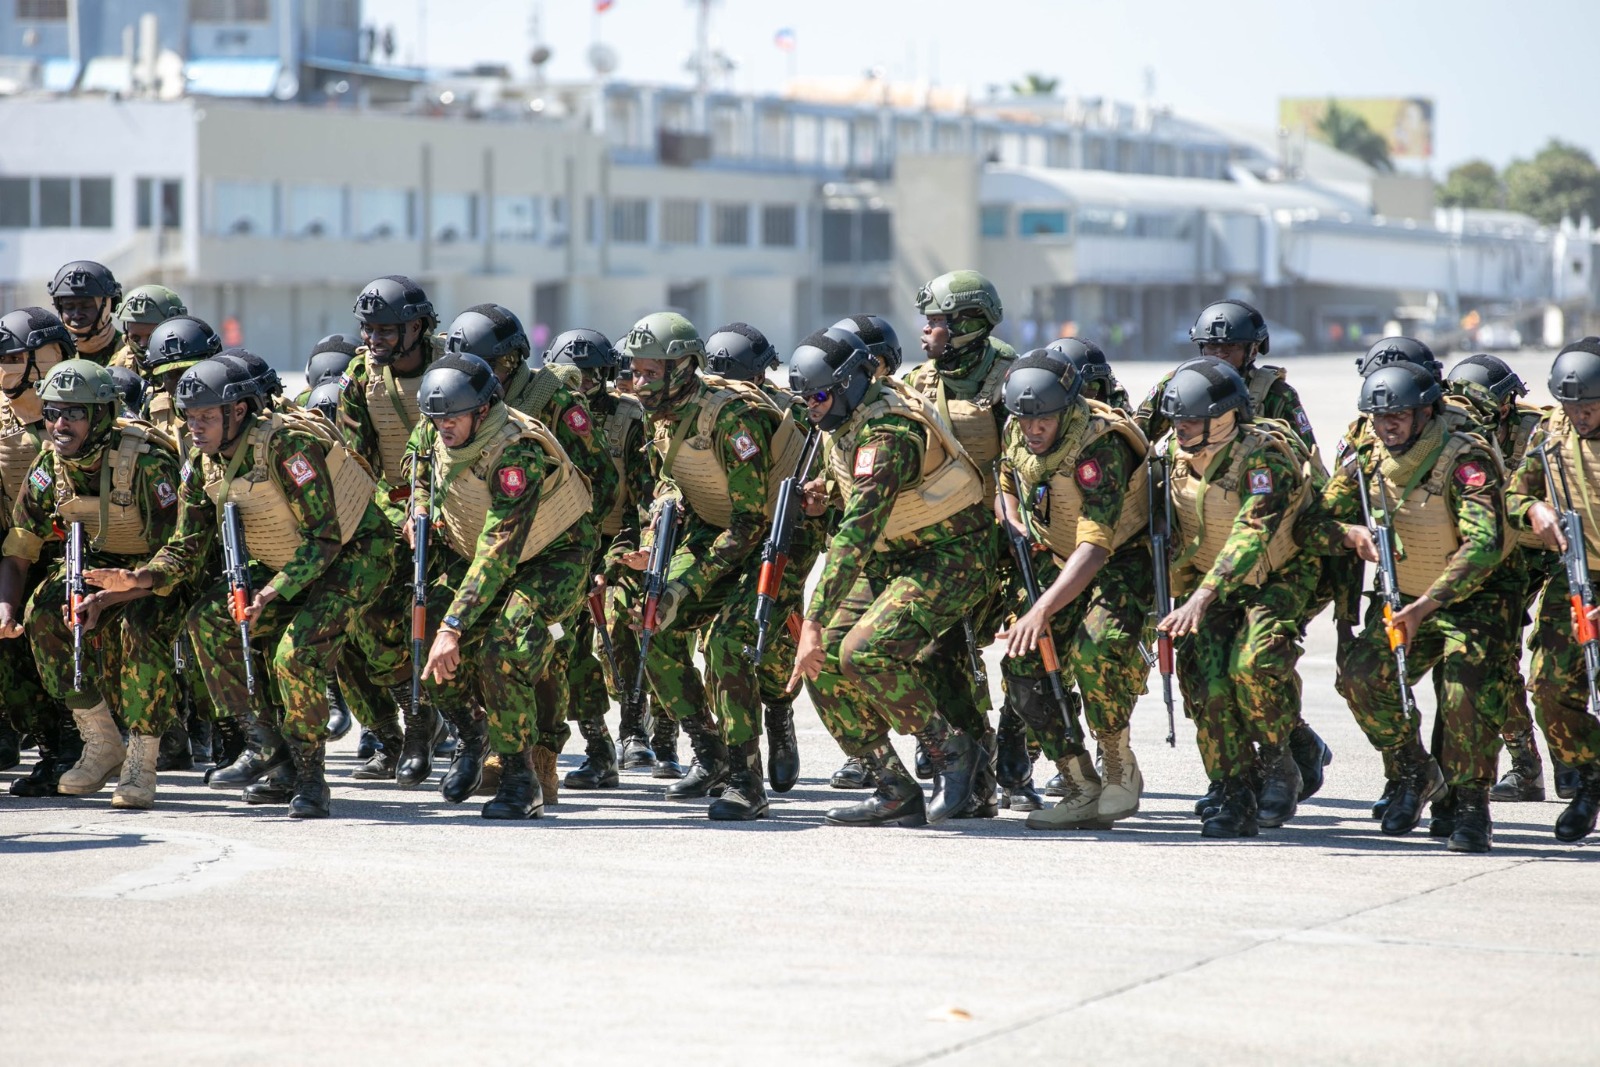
(209, 861)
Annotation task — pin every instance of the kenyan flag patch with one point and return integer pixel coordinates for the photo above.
(40, 478)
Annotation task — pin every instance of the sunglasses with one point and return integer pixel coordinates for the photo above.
(73, 413)
(821, 396)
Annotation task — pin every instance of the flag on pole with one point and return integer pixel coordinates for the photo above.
(784, 40)
(602, 6)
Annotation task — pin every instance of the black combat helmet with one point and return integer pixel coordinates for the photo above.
(1491, 372)
(214, 383)
(85, 277)
(1575, 374)
(329, 358)
(392, 300)
(1041, 383)
(130, 387)
(1230, 322)
(455, 384)
(324, 400)
(492, 333)
(875, 332)
(1204, 388)
(1387, 351)
(1398, 388)
(584, 349)
(741, 352)
(835, 361)
(1085, 356)
(268, 384)
(178, 344)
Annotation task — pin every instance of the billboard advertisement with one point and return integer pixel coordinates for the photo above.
(1405, 122)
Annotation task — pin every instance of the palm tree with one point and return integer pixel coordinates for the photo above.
(1035, 85)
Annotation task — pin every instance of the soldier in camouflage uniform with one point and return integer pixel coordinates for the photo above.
(1440, 493)
(319, 552)
(723, 447)
(1237, 488)
(962, 379)
(1569, 436)
(143, 309)
(516, 520)
(551, 393)
(1099, 381)
(329, 359)
(32, 341)
(378, 412)
(913, 553)
(1073, 480)
(86, 295)
(118, 481)
(1515, 426)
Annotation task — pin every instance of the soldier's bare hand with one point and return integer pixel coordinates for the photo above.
(112, 579)
(808, 657)
(1408, 620)
(814, 497)
(1026, 633)
(1543, 520)
(409, 532)
(1360, 539)
(10, 627)
(258, 603)
(88, 610)
(1186, 619)
(637, 560)
(444, 656)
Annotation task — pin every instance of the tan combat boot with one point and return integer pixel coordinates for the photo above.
(103, 752)
(1079, 806)
(490, 785)
(1122, 784)
(544, 768)
(136, 787)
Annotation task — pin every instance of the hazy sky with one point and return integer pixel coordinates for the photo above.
(1504, 76)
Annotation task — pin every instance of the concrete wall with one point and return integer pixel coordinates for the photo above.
(935, 203)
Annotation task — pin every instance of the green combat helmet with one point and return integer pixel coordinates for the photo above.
(665, 335)
(961, 294)
(151, 304)
(78, 381)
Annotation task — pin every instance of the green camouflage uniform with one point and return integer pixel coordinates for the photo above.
(882, 613)
(132, 641)
(1238, 674)
(23, 699)
(1281, 403)
(1536, 564)
(1097, 635)
(324, 591)
(510, 612)
(1467, 638)
(1109, 391)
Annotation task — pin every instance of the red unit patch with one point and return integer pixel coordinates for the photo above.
(866, 459)
(576, 419)
(513, 481)
(1471, 475)
(1089, 474)
(299, 469)
(1260, 482)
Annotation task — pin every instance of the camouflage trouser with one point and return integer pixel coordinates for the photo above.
(1238, 675)
(777, 658)
(1466, 644)
(1560, 680)
(622, 594)
(723, 623)
(1540, 565)
(300, 638)
(378, 654)
(1097, 642)
(882, 672)
(586, 671)
(962, 698)
(510, 649)
(24, 703)
(132, 643)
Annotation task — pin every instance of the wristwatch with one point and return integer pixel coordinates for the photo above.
(451, 622)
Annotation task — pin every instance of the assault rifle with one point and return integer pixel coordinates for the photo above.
(236, 570)
(1580, 587)
(76, 591)
(775, 550)
(1022, 552)
(421, 520)
(1160, 498)
(665, 532)
(1388, 581)
(597, 612)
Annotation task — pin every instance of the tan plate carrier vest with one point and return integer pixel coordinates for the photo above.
(1425, 533)
(696, 468)
(1206, 519)
(272, 534)
(123, 532)
(615, 436)
(972, 421)
(19, 447)
(1262, 378)
(564, 496)
(540, 387)
(1060, 533)
(1583, 476)
(164, 417)
(392, 406)
(950, 481)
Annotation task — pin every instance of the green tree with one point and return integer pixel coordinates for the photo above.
(1472, 184)
(1354, 136)
(1036, 85)
(1562, 181)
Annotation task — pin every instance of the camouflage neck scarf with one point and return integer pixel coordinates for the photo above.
(1219, 435)
(1401, 468)
(969, 365)
(97, 339)
(461, 458)
(1071, 425)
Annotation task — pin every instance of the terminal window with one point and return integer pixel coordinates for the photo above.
(680, 222)
(41, 10)
(230, 10)
(16, 203)
(630, 220)
(731, 224)
(1042, 223)
(992, 220)
(779, 226)
(55, 202)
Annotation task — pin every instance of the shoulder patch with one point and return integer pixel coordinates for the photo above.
(345, 382)
(183, 472)
(166, 496)
(299, 469)
(866, 460)
(513, 481)
(40, 478)
(1471, 475)
(1260, 482)
(577, 420)
(1089, 473)
(1301, 421)
(744, 446)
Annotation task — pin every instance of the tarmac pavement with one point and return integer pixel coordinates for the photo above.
(624, 928)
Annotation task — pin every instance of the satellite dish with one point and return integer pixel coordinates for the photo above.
(603, 58)
(287, 87)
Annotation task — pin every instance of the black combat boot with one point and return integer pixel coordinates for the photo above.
(383, 763)
(1567, 779)
(664, 740)
(276, 788)
(1391, 776)
(897, 798)
(424, 727)
(466, 769)
(10, 747)
(709, 771)
(310, 780)
(1211, 801)
(519, 796)
(633, 740)
(1023, 798)
(1577, 821)
(955, 757)
(228, 742)
(367, 745)
(1474, 831)
(1012, 767)
(59, 746)
(173, 753)
(265, 750)
(1311, 754)
(1442, 814)
(855, 774)
(201, 736)
(1420, 781)
(745, 797)
(985, 803)
(1056, 786)
(1279, 795)
(783, 750)
(444, 739)
(339, 720)
(1236, 815)
(920, 760)
(599, 767)
(1524, 780)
